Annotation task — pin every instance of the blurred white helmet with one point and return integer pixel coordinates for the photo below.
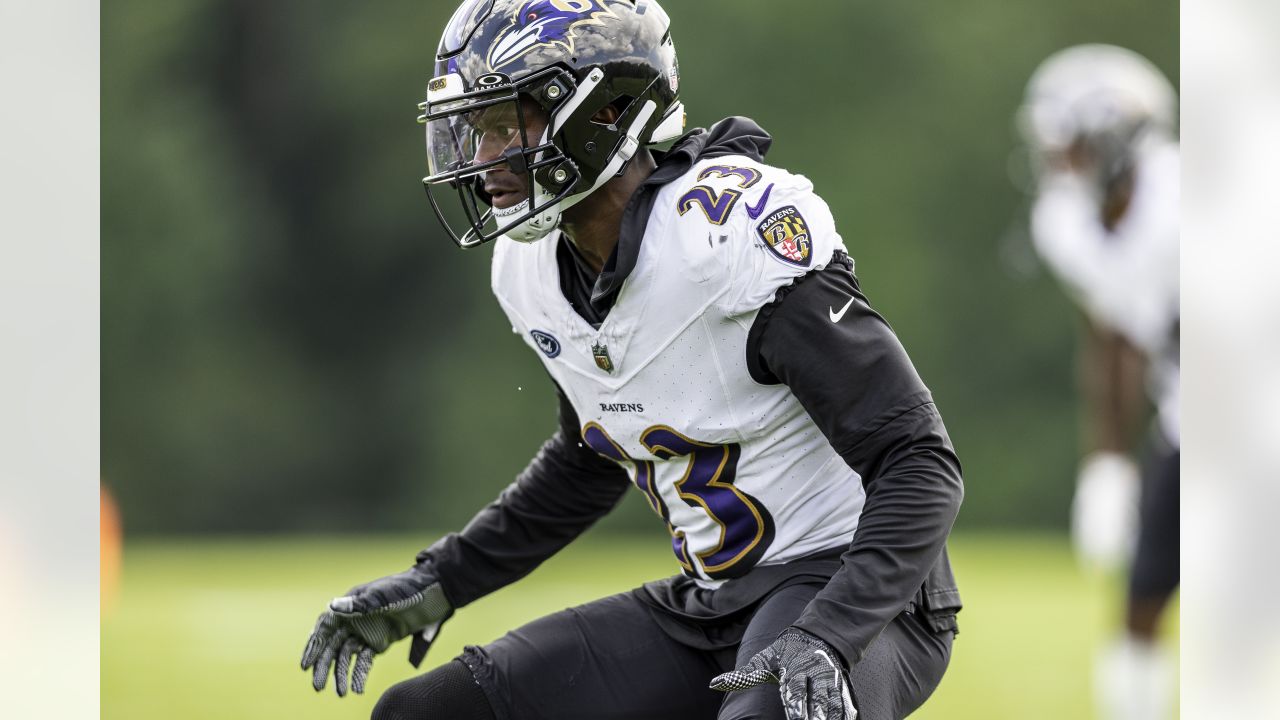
(1106, 95)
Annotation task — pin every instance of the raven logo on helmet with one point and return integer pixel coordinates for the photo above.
(541, 23)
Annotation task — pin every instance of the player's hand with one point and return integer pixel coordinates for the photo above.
(808, 671)
(1104, 511)
(370, 617)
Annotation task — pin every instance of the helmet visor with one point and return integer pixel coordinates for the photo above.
(451, 141)
(463, 134)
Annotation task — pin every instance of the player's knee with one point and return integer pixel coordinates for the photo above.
(392, 705)
(449, 692)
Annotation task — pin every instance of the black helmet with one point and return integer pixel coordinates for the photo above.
(571, 57)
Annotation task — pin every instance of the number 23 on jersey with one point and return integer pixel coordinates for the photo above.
(717, 205)
(703, 482)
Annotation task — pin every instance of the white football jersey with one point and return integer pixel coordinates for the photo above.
(1126, 278)
(737, 469)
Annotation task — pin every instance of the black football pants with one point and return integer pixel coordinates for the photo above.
(609, 660)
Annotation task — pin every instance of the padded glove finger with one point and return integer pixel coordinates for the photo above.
(328, 654)
(364, 662)
(343, 669)
(761, 668)
(795, 692)
(324, 630)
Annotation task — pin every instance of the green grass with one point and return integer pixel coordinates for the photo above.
(214, 629)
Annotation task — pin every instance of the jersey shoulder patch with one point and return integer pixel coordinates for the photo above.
(790, 233)
(786, 234)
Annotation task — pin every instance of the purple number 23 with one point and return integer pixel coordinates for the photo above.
(717, 206)
(746, 528)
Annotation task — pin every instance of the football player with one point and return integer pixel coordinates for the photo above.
(710, 344)
(1101, 123)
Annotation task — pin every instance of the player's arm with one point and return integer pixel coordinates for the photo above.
(562, 492)
(855, 380)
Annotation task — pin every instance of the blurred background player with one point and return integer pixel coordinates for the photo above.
(1100, 121)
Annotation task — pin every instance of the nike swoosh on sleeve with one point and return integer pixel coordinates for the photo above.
(753, 211)
(835, 316)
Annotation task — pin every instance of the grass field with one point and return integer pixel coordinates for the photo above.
(213, 629)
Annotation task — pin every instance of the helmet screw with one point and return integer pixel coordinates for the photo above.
(553, 92)
(591, 147)
(560, 175)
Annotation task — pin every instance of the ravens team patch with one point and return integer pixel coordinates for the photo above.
(787, 234)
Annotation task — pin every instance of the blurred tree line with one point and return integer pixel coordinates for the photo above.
(290, 344)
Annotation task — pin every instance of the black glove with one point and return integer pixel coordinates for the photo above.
(370, 617)
(813, 684)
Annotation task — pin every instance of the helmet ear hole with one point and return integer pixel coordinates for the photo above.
(606, 115)
(609, 114)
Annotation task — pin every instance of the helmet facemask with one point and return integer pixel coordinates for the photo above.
(461, 125)
(470, 134)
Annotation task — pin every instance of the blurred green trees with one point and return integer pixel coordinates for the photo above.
(290, 344)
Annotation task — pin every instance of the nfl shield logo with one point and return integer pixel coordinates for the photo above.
(601, 354)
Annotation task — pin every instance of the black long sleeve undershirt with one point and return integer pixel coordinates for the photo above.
(857, 384)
